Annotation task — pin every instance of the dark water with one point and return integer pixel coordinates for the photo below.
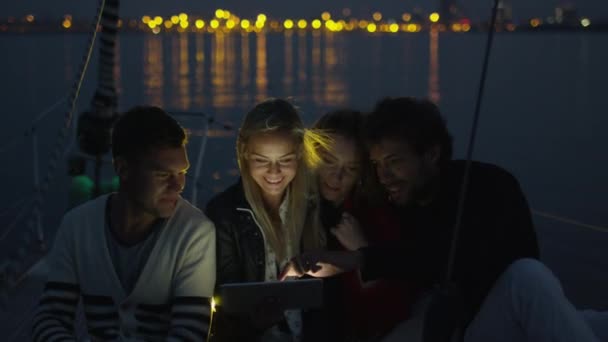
(543, 117)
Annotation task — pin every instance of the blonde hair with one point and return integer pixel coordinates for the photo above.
(277, 115)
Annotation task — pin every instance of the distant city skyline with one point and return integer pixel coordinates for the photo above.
(475, 9)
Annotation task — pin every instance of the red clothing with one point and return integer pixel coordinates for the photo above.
(376, 307)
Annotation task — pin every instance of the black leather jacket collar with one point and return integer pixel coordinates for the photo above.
(240, 243)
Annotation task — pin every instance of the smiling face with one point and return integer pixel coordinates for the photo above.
(272, 161)
(340, 169)
(154, 180)
(404, 174)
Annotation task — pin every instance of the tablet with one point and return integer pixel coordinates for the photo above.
(289, 294)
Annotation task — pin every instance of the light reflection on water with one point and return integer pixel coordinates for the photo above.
(540, 120)
(434, 92)
(543, 114)
(225, 73)
(153, 71)
(310, 75)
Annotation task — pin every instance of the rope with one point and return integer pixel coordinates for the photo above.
(569, 221)
(63, 133)
(209, 122)
(211, 119)
(13, 224)
(199, 161)
(15, 206)
(32, 127)
(104, 101)
(465, 182)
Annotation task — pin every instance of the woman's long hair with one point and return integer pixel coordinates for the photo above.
(302, 227)
(349, 124)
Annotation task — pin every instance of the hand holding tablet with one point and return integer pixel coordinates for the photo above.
(322, 264)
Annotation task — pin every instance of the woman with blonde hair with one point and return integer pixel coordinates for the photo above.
(353, 214)
(269, 216)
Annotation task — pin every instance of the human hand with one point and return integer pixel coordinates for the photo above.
(322, 264)
(349, 233)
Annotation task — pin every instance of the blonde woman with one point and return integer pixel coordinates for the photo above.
(269, 216)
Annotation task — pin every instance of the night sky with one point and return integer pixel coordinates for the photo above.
(476, 9)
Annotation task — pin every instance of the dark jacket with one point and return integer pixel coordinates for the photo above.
(496, 230)
(241, 258)
(358, 311)
(240, 244)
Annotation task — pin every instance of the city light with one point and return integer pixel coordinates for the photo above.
(585, 22)
(535, 22)
(373, 22)
(339, 26)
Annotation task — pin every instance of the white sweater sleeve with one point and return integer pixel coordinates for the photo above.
(193, 287)
(54, 319)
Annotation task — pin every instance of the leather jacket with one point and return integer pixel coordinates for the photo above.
(240, 244)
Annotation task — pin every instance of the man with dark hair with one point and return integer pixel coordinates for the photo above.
(506, 293)
(142, 259)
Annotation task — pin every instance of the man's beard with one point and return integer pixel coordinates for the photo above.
(422, 192)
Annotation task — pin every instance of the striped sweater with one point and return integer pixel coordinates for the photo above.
(170, 300)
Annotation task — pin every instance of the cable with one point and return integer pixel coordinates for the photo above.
(569, 221)
(465, 182)
(32, 126)
(63, 133)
